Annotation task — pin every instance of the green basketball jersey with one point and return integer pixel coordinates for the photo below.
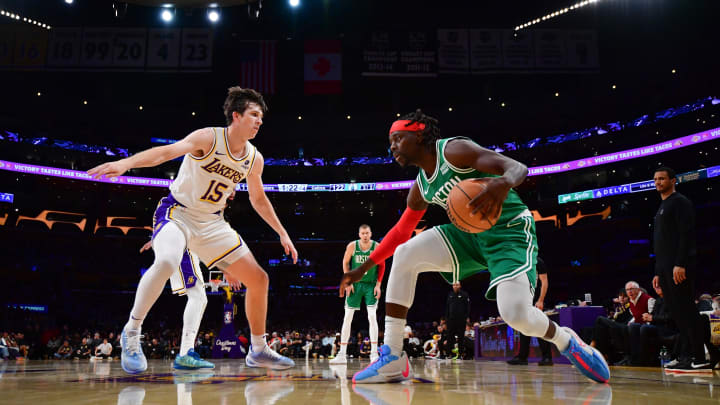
(435, 190)
(361, 256)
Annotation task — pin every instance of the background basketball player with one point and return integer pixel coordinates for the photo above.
(356, 253)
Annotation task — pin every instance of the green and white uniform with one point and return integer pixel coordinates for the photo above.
(366, 285)
(506, 250)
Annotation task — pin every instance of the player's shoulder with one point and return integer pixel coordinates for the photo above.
(351, 244)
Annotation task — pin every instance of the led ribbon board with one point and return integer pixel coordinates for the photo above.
(635, 153)
(635, 187)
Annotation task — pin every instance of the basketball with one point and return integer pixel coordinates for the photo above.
(459, 212)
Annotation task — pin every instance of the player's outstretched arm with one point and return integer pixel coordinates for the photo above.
(261, 204)
(399, 234)
(199, 143)
(464, 153)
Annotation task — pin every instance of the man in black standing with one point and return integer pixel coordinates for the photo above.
(675, 268)
(457, 311)
(545, 347)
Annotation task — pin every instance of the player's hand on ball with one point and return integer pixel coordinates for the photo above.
(109, 169)
(287, 244)
(489, 201)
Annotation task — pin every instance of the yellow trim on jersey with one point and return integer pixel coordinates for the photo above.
(182, 279)
(227, 147)
(252, 163)
(211, 149)
(192, 263)
(222, 256)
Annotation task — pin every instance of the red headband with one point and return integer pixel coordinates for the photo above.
(402, 125)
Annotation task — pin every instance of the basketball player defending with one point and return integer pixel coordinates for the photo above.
(357, 253)
(508, 250)
(190, 218)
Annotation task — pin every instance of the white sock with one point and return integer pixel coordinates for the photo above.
(258, 343)
(394, 329)
(561, 338)
(133, 326)
(194, 310)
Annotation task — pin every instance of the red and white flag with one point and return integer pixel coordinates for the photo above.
(323, 67)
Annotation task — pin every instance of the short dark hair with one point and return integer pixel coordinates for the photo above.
(363, 226)
(238, 100)
(670, 172)
(431, 133)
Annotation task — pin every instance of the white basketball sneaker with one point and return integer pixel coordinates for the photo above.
(341, 358)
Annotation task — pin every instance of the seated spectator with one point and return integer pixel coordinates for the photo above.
(12, 346)
(327, 344)
(608, 333)
(431, 347)
(155, 349)
(83, 350)
(316, 346)
(275, 342)
(65, 351)
(414, 345)
(104, 350)
(365, 348)
(4, 351)
(204, 346)
(705, 302)
(468, 343)
(52, 345)
(655, 330)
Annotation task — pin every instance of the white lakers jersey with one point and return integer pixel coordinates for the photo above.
(204, 183)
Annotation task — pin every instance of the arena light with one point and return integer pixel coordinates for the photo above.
(555, 14)
(13, 16)
(68, 1)
(294, 3)
(167, 13)
(213, 15)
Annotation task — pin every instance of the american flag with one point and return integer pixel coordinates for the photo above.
(257, 65)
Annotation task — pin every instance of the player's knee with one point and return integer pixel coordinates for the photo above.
(515, 314)
(405, 254)
(166, 264)
(258, 278)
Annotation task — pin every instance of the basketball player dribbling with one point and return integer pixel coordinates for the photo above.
(508, 250)
(356, 253)
(190, 217)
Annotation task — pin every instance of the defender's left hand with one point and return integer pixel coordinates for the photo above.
(489, 201)
(287, 244)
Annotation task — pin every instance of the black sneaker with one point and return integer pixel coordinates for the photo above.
(545, 362)
(517, 361)
(702, 367)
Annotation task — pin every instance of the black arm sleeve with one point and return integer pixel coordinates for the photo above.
(684, 217)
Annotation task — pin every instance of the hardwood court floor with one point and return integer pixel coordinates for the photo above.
(314, 382)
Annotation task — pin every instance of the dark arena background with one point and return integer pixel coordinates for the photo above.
(592, 96)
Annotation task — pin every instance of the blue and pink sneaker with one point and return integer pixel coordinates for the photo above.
(586, 358)
(388, 368)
